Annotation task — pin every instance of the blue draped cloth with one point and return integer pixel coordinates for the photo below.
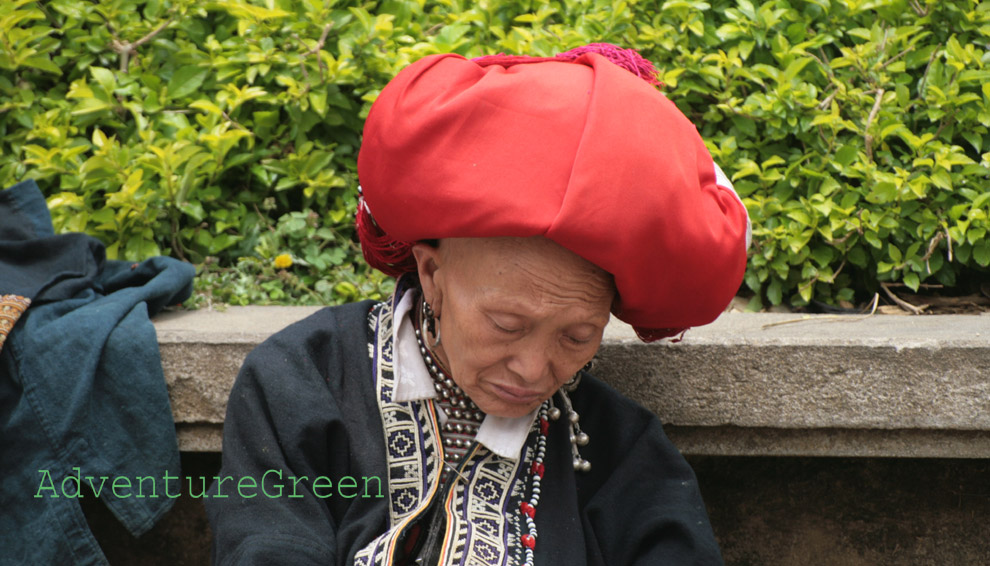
(82, 392)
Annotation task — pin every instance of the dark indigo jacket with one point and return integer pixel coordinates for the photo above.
(82, 391)
(304, 406)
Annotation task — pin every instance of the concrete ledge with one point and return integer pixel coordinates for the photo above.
(748, 384)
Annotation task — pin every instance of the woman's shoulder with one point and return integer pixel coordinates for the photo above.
(322, 347)
(342, 326)
(333, 321)
(604, 403)
(620, 430)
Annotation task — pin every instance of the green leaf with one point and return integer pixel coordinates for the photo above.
(185, 81)
(206, 106)
(872, 239)
(981, 253)
(912, 280)
(744, 169)
(318, 102)
(800, 216)
(894, 253)
(942, 179)
(845, 155)
(90, 106)
(857, 257)
(775, 292)
(42, 62)
(822, 255)
(104, 78)
(248, 11)
(884, 192)
(137, 249)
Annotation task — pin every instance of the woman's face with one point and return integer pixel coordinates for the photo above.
(518, 317)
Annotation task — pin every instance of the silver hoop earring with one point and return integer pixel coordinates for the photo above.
(430, 320)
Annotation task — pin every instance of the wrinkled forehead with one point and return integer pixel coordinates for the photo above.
(534, 260)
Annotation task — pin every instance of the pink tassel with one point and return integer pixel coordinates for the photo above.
(628, 59)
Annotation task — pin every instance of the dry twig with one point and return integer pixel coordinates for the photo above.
(901, 302)
(828, 317)
(921, 286)
(948, 239)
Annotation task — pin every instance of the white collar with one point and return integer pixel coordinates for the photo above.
(503, 436)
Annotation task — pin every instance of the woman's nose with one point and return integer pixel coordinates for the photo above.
(531, 362)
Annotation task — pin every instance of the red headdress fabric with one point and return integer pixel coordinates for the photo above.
(577, 149)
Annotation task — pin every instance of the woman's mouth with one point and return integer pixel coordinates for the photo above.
(516, 395)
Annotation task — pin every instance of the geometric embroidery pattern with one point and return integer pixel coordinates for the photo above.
(11, 309)
(401, 444)
(485, 511)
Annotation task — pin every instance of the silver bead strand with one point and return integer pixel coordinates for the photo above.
(577, 437)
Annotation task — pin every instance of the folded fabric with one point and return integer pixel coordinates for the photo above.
(82, 393)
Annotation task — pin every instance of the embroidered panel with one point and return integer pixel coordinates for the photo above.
(11, 309)
(413, 457)
(483, 522)
(485, 525)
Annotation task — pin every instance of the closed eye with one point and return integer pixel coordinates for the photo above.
(504, 329)
(577, 341)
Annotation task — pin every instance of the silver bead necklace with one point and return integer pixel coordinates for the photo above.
(464, 418)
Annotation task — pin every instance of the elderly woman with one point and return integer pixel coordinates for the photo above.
(520, 201)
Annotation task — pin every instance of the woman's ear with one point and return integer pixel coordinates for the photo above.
(428, 260)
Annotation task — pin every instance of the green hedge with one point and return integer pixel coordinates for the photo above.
(226, 132)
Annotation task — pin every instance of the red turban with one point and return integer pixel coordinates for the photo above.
(579, 150)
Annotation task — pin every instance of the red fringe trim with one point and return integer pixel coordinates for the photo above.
(381, 251)
(654, 334)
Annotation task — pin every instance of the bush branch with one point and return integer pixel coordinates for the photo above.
(924, 76)
(869, 122)
(907, 50)
(126, 48)
(931, 250)
(828, 100)
(234, 122)
(314, 51)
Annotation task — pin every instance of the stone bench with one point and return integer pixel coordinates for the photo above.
(746, 385)
(818, 441)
